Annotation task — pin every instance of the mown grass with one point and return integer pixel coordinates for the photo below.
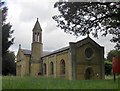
(55, 83)
(0, 83)
(119, 83)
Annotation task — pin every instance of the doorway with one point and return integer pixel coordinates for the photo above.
(89, 73)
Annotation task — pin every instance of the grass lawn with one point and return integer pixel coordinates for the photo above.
(119, 82)
(55, 83)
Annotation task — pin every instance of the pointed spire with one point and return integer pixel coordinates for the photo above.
(19, 46)
(37, 26)
(37, 19)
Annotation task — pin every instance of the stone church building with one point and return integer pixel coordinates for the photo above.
(80, 60)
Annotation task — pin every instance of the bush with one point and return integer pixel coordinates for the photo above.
(108, 67)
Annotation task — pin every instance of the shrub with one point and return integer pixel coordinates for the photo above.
(108, 67)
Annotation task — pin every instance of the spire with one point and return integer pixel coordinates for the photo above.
(37, 26)
(19, 46)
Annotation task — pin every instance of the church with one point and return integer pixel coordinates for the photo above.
(81, 60)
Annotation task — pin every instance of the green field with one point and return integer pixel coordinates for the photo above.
(119, 83)
(55, 83)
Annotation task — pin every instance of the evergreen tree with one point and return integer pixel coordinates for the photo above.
(80, 18)
(8, 58)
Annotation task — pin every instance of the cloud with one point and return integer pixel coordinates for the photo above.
(35, 8)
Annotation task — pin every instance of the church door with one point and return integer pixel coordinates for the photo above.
(89, 73)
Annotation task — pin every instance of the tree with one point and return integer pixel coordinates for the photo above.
(108, 61)
(80, 18)
(8, 58)
(9, 66)
(7, 41)
(112, 54)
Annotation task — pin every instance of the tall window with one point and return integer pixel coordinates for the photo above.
(44, 68)
(35, 37)
(52, 68)
(38, 38)
(62, 64)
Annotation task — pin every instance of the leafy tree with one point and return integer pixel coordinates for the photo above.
(8, 58)
(80, 18)
(110, 55)
(113, 53)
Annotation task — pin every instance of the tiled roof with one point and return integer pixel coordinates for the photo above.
(56, 51)
(27, 52)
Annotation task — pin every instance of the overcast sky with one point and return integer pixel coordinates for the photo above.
(22, 14)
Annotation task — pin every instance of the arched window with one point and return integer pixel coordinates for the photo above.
(62, 66)
(38, 38)
(35, 37)
(44, 68)
(51, 68)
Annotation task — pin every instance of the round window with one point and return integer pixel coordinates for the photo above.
(88, 52)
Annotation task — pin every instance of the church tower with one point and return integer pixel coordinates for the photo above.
(37, 49)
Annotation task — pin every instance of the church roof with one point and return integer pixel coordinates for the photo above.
(87, 40)
(37, 26)
(27, 52)
(57, 51)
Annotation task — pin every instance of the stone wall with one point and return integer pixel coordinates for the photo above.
(56, 59)
(23, 64)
